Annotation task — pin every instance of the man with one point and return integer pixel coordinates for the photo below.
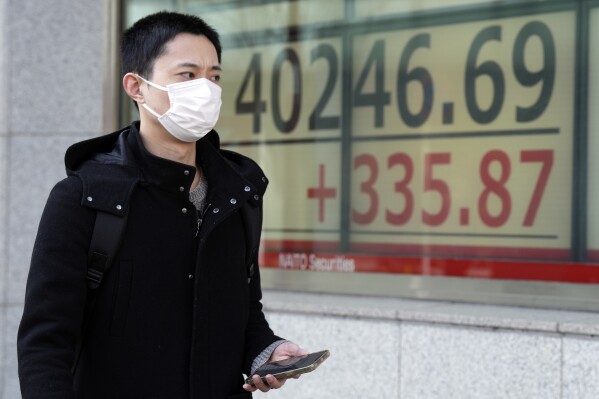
(178, 315)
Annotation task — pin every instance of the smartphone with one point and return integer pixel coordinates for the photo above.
(291, 367)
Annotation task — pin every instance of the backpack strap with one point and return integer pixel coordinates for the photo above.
(106, 239)
(252, 223)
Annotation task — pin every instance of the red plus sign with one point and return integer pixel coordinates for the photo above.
(321, 193)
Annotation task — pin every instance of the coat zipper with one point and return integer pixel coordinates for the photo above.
(201, 219)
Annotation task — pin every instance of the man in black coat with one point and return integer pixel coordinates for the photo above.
(176, 316)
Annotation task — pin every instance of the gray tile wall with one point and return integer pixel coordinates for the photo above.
(446, 362)
(581, 368)
(51, 71)
(55, 66)
(407, 349)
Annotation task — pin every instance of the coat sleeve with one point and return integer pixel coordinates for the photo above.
(258, 333)
(55, 295)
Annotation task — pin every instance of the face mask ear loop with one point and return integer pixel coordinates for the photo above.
(150, 110)
(152, 84)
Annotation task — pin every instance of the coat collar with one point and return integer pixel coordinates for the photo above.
(112, 165)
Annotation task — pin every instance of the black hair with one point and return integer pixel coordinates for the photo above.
(146, 39)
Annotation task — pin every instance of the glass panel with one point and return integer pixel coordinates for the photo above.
(272, 15)
(593, 135)
(465, 138)
(429, 138)
(389, 7)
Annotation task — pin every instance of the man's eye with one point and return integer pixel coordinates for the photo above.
(188, 75)
(215, 78)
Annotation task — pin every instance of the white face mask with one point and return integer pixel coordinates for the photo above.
(195, 106)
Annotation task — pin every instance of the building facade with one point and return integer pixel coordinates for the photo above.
(431, 214)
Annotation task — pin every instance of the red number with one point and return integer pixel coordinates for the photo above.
(497, 187)
(438, 185)
(367, 187)
(546, 158)
(402, 187)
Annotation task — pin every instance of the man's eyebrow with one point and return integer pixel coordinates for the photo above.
(194, 65)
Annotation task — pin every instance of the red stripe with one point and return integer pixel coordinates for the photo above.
(566, 272)
(562, 254)
(297, 245)
(463, 250)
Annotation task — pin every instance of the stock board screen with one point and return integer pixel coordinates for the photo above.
(407, 141)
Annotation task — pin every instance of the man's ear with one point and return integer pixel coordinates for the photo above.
(132, 86)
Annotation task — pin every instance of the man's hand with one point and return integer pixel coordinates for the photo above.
(282, 352)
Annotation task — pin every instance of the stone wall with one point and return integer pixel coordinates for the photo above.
(51, 95)
(409, 349)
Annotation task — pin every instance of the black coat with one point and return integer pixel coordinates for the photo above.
(175, 315)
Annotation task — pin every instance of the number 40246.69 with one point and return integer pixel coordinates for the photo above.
(251, 100)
